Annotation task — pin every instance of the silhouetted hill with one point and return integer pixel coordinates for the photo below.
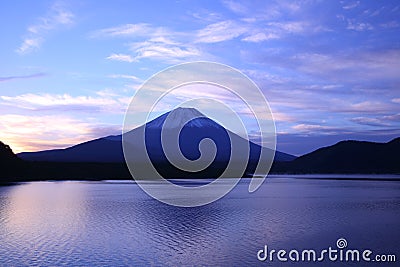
(13, 169)
(6, 154)
(103, 158)
(348, 157)
(103, 149)
(343, 157)
(9, 163)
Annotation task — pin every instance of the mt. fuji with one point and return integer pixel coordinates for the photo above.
(109, 149)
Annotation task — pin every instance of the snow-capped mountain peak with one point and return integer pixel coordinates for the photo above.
(179, 117)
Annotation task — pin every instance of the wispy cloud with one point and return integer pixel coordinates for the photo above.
(49, 131)
(369, 121)
(56, 17)
(264, 11)
(351, 5)
(387, 120)
(236, 7)
(139, 29)
(358, 26)
(125, 76)
(390, 24)
(42, 102)
(279, 30)
(292, 26)
(219, 32)
(171, 46)
(164, 49)
(311, 127)
(121, 57)
(152, 42)
(260, 37)
(340, 67)
(22, 77)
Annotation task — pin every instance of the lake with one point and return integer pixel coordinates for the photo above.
(114, 223)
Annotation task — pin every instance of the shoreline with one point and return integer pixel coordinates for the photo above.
(319, 177)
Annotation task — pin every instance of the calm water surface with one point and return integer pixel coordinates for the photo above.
(117, 224)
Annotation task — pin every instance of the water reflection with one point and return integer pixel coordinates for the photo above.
(35, 215)
(117, 224)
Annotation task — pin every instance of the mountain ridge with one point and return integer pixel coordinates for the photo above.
(348, 156)
(91, 151)
(14, 169)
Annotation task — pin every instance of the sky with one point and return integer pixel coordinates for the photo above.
(330, 70)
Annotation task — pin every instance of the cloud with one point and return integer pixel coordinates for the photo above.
(265, 10)
(164, 49)
(159, 50)
(358, 26)
(236, 7)
(219, 32)
(346, 66)
(280, 30)
(151, 42)
(29, 44)
(370, 107)
(351, 5)
(386, 120)
(136, 31)
(311, 127)
(57, 16)
(164, 44)
(140, 29)
(65, 102)
(396, 100)
(390, 24)
(291, 26)
(19, 77)
(260, 37)
(33, 133)
(369, 121)
(205, 15)
(124, 76)
(121, 57)
(42, 129)
(393, 118)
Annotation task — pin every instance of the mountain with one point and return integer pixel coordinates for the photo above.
(109, 149)
(9, 162)
(344, 157)
(6, 154)
(348, 157)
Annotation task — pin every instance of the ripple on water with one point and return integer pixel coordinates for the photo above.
(117, 224)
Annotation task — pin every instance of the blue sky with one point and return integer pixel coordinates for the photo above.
(329, 69)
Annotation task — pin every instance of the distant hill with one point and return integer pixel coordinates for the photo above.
(344, 157)
(6, 154)
(13, 169)
(348, 157)
(109, 149)
(9, 163)
(103, 158)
